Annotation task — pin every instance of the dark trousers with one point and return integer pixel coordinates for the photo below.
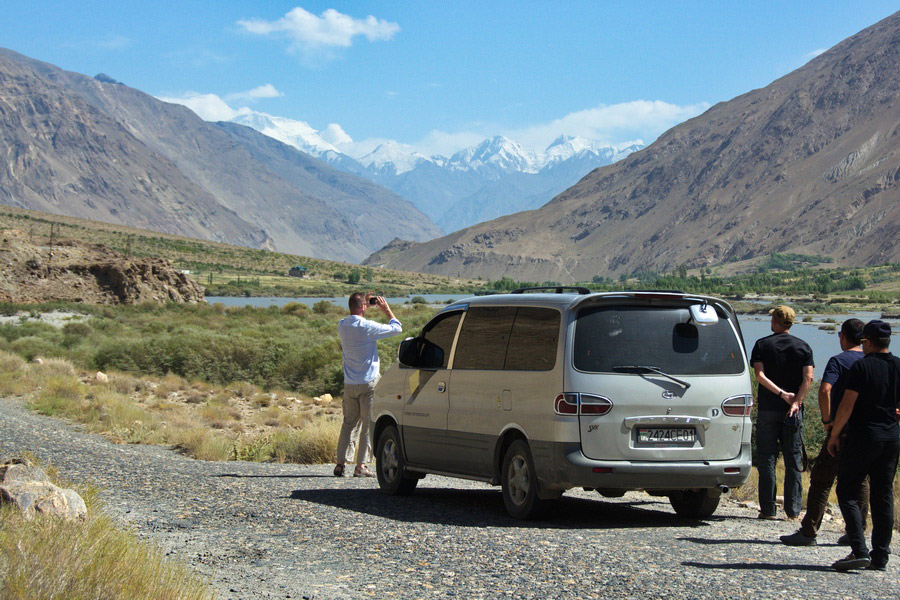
(773, 430)
(878, 460)
(821, 478)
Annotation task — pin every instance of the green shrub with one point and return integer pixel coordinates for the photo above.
(31, 347)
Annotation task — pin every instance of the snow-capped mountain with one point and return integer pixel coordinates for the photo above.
(499, 176)
(392, 157)
(498, 155)
(299, 134)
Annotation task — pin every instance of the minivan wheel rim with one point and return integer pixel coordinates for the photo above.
(518, 479)
(391, 460)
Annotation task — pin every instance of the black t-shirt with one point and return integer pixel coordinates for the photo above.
(783, 357)
(876, 378)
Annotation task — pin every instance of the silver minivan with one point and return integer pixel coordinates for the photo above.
(547, 389)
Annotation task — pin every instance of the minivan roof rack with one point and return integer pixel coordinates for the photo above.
(558, 289)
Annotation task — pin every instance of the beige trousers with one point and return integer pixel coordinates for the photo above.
(357, 407)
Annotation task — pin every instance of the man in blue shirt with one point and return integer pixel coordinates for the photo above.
(361, 372)
(869, 414)
(825, 467)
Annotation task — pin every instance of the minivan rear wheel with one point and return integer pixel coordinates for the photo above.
(520, 485)
(390, 465)
(695, 504)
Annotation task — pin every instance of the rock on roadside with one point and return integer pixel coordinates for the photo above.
(27, 487)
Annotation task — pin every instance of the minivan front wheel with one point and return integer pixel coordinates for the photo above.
(390, 465)
(695, 504)
(520, 485)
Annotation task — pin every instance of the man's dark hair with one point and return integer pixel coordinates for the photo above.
(357, 299)
(880, 343)
(852, 330)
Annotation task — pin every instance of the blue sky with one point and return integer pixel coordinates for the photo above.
(441, 75)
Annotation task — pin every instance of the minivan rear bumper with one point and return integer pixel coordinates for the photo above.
(561, 466)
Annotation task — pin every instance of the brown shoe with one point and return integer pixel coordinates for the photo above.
(339, 470)
(362, 471)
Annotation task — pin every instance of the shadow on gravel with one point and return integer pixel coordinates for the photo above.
(241, 476)
(709, 542)
(760, 566)
(484, 508)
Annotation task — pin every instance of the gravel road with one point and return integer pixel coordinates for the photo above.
(294, 531)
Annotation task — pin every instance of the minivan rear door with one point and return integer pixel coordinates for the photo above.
(666, 378)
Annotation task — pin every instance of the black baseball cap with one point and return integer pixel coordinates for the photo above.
(875, 330)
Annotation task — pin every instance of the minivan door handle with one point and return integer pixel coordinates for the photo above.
(441, 387)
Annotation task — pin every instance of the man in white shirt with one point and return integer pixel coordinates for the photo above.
(361, 371)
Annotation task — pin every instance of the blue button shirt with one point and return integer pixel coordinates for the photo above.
(358, 342)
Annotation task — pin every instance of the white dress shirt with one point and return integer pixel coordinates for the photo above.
(358, 342)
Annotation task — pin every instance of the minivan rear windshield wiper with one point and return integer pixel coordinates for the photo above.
(649, 369)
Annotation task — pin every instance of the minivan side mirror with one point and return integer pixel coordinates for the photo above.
(419, 353)
(703, 314)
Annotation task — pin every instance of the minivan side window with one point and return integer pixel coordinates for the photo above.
(441, 331)
(506, 337)
(532, 345)
(484, 337)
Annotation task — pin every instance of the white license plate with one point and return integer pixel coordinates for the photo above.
(666, 435)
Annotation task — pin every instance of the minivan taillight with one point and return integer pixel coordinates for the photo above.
(738, 406)
(585, 404)
(595, 405)
(566, 404)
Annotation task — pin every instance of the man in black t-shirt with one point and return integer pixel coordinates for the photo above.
(824, 468)
(783, 365)
(868, 414)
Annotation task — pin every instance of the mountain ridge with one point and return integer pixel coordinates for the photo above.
(492, 178)
(224, 175)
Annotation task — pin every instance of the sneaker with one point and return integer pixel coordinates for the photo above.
(877, 566)
(851, 563)
(362, 471)
(339, 470)
(798, 539)
(844, 540)
(768, 517)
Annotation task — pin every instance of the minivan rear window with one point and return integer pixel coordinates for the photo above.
(663, 337)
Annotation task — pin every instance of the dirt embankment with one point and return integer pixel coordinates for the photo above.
(82, 272)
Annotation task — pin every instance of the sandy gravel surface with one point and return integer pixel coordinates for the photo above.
(294, 531)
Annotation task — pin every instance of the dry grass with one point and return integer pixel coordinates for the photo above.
(208, 422)
(47, 557)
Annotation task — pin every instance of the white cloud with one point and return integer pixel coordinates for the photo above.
(309, 34)
(815, 53)
(335, 134)
(263, 91)
(208, 107)
(614, 124)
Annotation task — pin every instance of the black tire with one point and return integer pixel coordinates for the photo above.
(390, 465)
(695, 504)
(519, 483)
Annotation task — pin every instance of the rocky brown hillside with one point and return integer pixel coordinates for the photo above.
(90, 273)
(95, 148)
(808, 164)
